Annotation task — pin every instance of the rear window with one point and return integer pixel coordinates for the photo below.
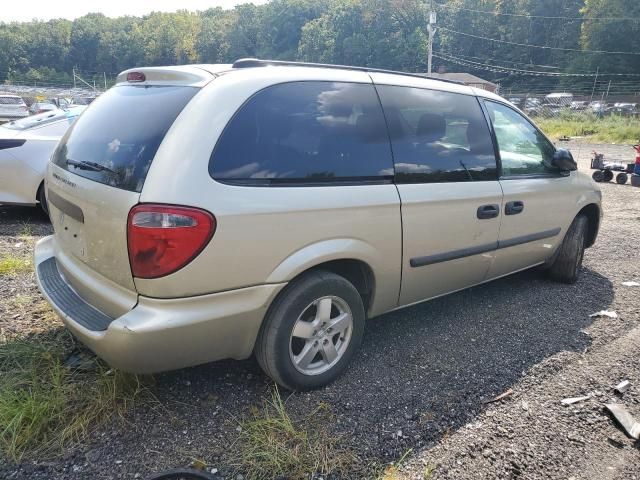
(11, 101)
(115, 140)
(305, 132)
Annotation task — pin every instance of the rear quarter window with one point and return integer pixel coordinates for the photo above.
(116, 138)
(305, 132)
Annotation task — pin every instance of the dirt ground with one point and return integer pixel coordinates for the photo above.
(420, 381)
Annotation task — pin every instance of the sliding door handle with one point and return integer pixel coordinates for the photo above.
(488, 211)
(513, 208)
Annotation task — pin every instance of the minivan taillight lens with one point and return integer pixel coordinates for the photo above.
(164, 238)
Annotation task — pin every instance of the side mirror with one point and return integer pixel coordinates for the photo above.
(563, 160)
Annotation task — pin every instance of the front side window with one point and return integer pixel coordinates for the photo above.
(305, 132)
(523, 149)
(437, 136)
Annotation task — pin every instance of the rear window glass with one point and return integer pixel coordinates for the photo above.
(11, 101)
(115, 140)
(305, 132)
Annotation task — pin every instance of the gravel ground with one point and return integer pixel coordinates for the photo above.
(420, 379)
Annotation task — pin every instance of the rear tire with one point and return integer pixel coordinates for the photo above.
(311, 332)
(42, 199)
(608, 175)
(621, 178)
(598, 176)
(567, 264)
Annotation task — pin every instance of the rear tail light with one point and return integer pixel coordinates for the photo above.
(164, 238)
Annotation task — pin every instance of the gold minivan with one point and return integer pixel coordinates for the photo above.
(214, 211)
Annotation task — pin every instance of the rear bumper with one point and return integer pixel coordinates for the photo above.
(159, 334)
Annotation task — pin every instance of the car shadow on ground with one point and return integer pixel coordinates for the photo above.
(421, 371)
(15, 220)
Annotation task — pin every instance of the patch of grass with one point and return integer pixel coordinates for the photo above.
(392, 472)
(428, 472)
(12, 265)
(26, 231)
(271, 445)
(609, 129)
(46, 405)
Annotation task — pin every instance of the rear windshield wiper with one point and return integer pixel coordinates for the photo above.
(89, 165)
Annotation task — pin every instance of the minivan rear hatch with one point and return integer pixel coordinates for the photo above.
(99, 168)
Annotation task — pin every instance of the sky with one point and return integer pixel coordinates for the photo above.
(25, 10)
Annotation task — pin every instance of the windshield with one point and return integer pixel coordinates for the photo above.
(43, 118)
(115, 141)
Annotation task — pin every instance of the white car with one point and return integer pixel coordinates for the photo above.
(25, 148)
(12, 107)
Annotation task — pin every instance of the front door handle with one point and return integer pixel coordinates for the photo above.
(488, 211)
(513, 208)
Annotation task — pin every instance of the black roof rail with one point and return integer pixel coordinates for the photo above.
(257, 62)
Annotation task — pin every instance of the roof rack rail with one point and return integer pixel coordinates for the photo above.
(257, 62)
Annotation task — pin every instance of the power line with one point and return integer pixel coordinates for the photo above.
(538, 46)
(471, 58)
(509, 70)
(611, 19)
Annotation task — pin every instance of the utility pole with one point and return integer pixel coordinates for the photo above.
(431, 28)
(608, 88)
(593, 90)
(105, 80)
(74, 78)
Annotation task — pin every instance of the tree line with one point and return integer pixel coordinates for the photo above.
(473, 35)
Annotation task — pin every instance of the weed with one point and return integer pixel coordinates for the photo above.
(26, 231)
(392, 472)
(428, 472)
(45, 404)
(12, 265)
(271, 445)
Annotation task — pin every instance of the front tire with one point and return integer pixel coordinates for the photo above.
(568, 262)
(311, 332)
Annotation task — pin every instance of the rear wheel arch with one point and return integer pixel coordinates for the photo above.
(357, 272)
(592, 212)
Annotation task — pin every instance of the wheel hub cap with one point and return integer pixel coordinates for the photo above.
(321, 335)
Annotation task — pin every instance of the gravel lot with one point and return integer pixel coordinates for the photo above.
(420, 379)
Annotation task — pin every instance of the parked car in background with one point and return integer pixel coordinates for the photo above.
(599, 108)
(25, 148)
(41, 107)
(343, 192)
(517, 101)
(578, 105)
(12, 107)
(82, 100)
(624, 109)
(561, 99)
(532, 106)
